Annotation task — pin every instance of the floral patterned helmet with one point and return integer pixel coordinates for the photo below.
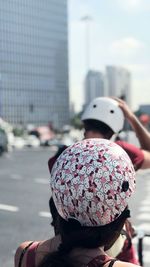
(91, 181)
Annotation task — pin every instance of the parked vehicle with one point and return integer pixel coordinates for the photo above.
(32, 141)
(3, 141)
(43, 133)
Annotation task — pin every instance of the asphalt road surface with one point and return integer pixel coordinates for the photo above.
(24, 195)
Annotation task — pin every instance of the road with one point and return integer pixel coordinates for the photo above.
(24, 195)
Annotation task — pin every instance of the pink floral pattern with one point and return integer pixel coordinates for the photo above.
(91, 181)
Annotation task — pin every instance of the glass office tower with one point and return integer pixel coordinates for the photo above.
(34, 62)
(119, 82)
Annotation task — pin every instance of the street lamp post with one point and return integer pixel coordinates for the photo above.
(87, 19)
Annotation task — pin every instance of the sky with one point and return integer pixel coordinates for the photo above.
(118, 34)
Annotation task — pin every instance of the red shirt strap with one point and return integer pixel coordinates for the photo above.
(31, 252)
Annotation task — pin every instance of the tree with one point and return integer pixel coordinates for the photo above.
(76, 121)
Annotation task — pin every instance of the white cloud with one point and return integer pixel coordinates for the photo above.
(130, 4)
(134, 5)
(126, 47)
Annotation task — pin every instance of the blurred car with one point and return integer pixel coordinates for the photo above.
(32, 141)
(67, 140)
(18, 142)
(43, 133)
(3, 141)
(54, 142)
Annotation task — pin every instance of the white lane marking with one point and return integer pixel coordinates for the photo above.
(146, 256)
(144, 209)
(144, 227)
(141, 172)
(146, 241)
(145, 202)
(143, 216)
(8, 208)
(45, 214)
(41, 181)
(16, 176)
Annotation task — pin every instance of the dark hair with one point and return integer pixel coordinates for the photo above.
(55, 216)
(74, 235)
(52, 160)
(98, 126)
(52, 207)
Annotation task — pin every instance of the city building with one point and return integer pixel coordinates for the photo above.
(94, 85)
(34, 62)
(72, 109)
(118, 83)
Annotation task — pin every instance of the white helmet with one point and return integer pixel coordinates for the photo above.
(106, 110)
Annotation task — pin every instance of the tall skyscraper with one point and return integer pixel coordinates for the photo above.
(118, 82)
(94, 85)
(34, 62)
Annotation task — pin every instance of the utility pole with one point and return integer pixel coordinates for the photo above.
(86, 19)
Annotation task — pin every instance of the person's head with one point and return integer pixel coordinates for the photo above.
(102, 118)
(91, 183)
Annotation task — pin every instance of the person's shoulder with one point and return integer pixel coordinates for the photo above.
(50, 245)
(19, 251)
(128, 146)
(136, 154)
(43, 247)
(21, 247)
(123, 143)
